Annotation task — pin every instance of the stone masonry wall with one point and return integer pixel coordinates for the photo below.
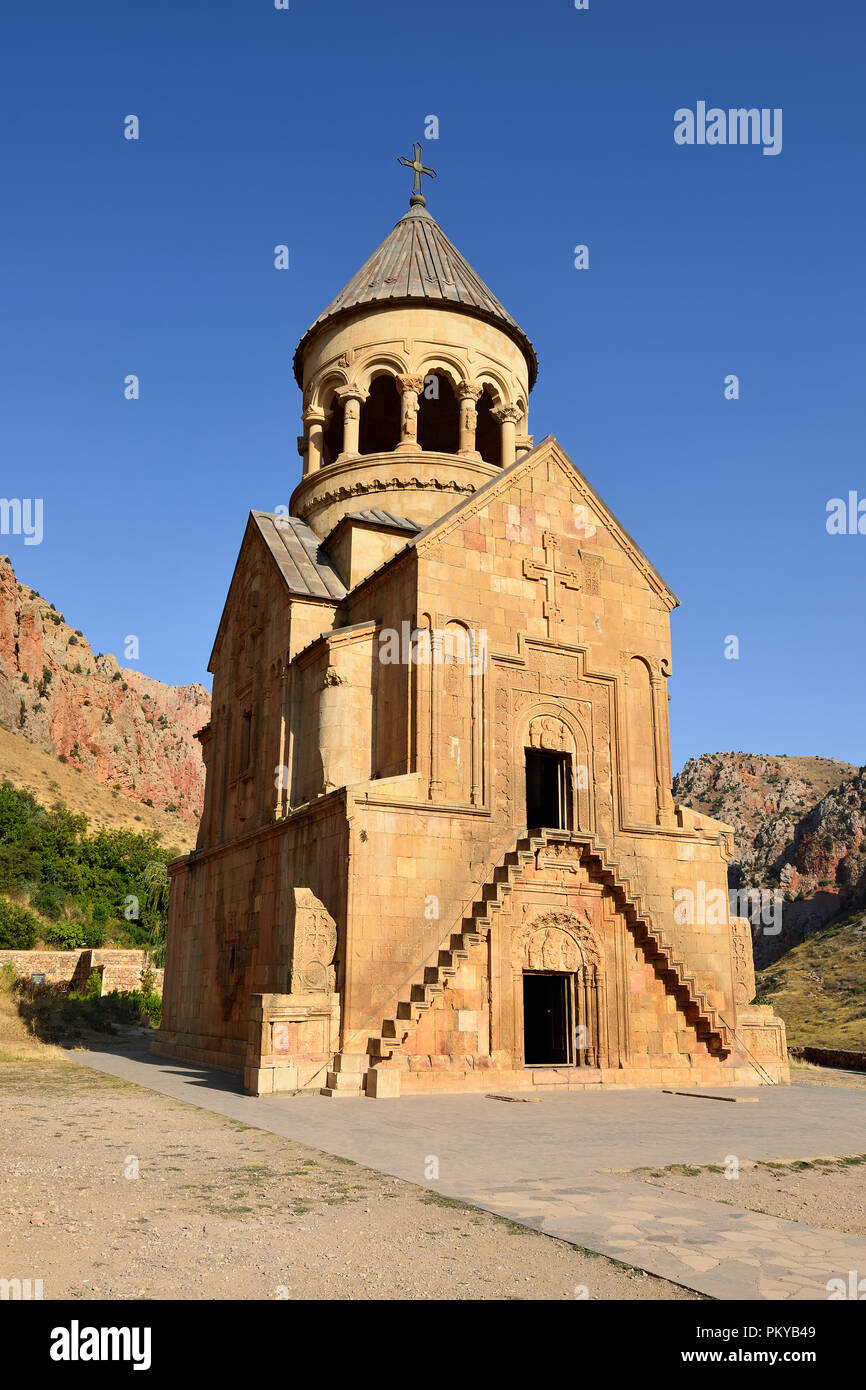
(120, 970)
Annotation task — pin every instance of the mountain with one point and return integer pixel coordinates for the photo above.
(828, 850)
(800, 827)
(763, 798)
(120, 728)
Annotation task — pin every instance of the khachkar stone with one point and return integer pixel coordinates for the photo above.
(462, 946)
(313, 937)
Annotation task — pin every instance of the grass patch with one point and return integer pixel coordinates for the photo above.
(819, 987)
(435, 1199)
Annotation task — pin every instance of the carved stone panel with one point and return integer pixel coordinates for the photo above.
(314, 941)
(744, 963)
(550, 733)
(555, 940)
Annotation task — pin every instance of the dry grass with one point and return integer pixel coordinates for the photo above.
(50, 780)
(819, 987)
(17, 1044)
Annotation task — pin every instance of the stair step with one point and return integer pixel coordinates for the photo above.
(346, 1082)
(351, 1063)
(393, 1028)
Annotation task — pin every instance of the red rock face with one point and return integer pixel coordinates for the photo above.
(829, 847)
(119, 726)
(768, 801)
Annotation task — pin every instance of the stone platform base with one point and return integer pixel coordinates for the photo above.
(200, 1049)
(390, 1082)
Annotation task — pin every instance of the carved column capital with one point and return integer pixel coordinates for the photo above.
(347, 394)
(406, 382)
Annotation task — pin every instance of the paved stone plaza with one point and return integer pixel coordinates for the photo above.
(554, 1164)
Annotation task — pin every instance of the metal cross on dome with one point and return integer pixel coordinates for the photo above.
(419, 167)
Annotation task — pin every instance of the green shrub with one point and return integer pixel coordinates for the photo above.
(65, 936)
(18, 927)
(49, 901)
(94, 934)
(146, 1005)
(50, 855)
(93, 988)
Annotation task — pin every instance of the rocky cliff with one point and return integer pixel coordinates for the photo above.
(123, 729)
(764, 798)
(800, 826)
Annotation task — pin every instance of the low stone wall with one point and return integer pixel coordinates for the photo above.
(120, 970)
(828, 1057)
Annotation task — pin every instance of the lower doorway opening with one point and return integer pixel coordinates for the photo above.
(547, 1028)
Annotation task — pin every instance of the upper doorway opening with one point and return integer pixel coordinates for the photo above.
(548, 790)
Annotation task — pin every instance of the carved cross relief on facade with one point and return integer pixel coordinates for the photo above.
(555, 573)
(313, 943)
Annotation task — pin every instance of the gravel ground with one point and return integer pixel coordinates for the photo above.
(222, 1210)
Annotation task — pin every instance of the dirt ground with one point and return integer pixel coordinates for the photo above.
(807, 1074)
(826, 1192)
(222, 1210)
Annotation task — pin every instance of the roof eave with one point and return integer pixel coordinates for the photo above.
(512, 331)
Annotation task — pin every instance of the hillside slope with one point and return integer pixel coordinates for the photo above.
(121, 728)
(819, 987)
(50, 781)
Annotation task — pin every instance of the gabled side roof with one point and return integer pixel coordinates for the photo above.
(303, 562)
(377, 516)
(550, 447)
(298, 555)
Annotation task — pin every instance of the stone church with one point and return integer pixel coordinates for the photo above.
(439, 850)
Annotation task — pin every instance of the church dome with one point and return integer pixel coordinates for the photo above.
(417, 261)
(416, 384)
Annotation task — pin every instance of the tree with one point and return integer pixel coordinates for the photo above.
(156, 898)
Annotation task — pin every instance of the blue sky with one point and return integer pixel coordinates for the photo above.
(261, 127)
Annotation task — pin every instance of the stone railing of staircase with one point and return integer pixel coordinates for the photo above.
(420, 990)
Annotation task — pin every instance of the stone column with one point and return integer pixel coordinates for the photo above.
(664, 774)
(589, 1017)
(467, 396)
(436, 784)
(410, 388)
(508, 416)
(314, 427)
(350, 398)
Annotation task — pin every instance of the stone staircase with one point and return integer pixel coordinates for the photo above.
(350, 1070)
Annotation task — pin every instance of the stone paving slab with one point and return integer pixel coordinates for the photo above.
(552, 1166)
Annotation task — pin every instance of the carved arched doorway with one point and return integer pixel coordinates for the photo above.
(561, 992)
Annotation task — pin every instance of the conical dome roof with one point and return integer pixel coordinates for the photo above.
(415, 262)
